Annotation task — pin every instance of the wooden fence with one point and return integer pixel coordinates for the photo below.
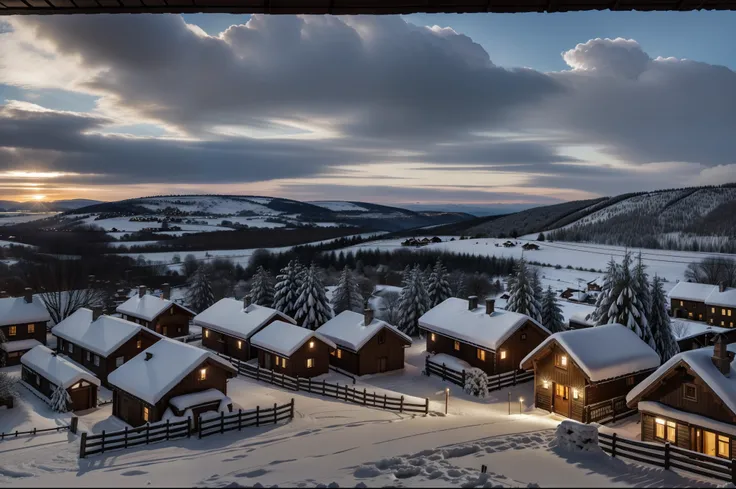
(67, 427)
(244, 419)
(327, 389)
(607, 411)
(495, 382)
(131, 437)
(668, 457)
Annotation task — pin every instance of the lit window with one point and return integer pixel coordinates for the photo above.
(433, 337)
(503, 354)
(339, 353)
(562, 391)
(481, 355)
(723, 446)
(240, 345)
(713, 310)
(457, 346)
(206, 333)
(561, 361)
(723, 323)
(283, 363)
(575, 394)
(12, 331)
(165, 331)
(729, 312)
(689, 392)
(119, 361)
(138, 344)
(97, 360)
(145, 414)
(32, 327)
(310, 362)
(666, 430)
(659, 431)
(682, 303)
(723, 312)
(311, 345)
(203, 374)
(690, 315)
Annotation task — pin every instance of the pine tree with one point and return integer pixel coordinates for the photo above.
(552, 317)
(642, 289)
(414, 302)
(286, 291)
(438, 287)
(659, 323)
(312, 307)
(626, 307)
(261, 288)
(61, 401)
(2, 354)
(7, 386)
(200, 296)
(521, 293)
(347, 296)
(600, 315)
(536, 283)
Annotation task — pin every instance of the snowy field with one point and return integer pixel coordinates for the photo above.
(7, 218)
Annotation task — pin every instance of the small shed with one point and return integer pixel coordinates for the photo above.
(43, 371)
(292, 350)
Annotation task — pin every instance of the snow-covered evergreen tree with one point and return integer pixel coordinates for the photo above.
(660, 324)
(312, 307)
(7, 386)
(536, 282)
(200, 296)
(2, 352)
(286, 291)
(347, 296)
(521, 293)
(642, 290)
(599, 316)
(552, 317)
(414, 302)
(627, 308)
(439, 287)
(61, 401)
(261, 288)
(476, 382)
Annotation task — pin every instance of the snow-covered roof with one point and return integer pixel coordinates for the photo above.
(452, 318)
(102, 336)
(348, 329)
(603, 352)
(581, 317)
(15, 310)
(187, 401)
(579, 296)
(599, 281)
(691, 418)
(727, 298)
(699, 361)
(285, 338)
(20, 345)
(171, 361)
(229, 316)
(690, 291)
(56, 368)
(148, 307)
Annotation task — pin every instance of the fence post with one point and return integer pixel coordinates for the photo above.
(733, 471)
(444, 371)
(291, 409)
(426, 405)
(148, 432)
(199, 424)
(83, 447)
(401, 404)
(102, 442)
(167, 429)
(346, 392)
(323, 387)
(613, 410)
(613, 446)
(34, 432)
(463, 378)
(426, 365)
(258, 372)
(514, 376)
(74, 424)
(274, 413)
(384, 401)
(258, 416)
(364, 395)
(499, 380)
(309, 384)
(189, 426)
(125, 437)
(240, 419)
(297, 383)
(222, 422)
(667, 456)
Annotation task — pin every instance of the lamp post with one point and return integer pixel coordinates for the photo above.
(521, 405)
(509, 403)
(447, 398)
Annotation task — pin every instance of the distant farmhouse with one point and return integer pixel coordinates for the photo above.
(714, 304)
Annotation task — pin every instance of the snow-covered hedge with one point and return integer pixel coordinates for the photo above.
(577, 437)
(476, 382)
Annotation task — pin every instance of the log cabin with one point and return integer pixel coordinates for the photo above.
(493, 341)
(100, 343)
(23, 322)
(364, 345)
(158, 314)
(585, 374)
(163, 380)
(43, 371)
(714, 304)
(292, 350)
(228, 325)
(690, 401)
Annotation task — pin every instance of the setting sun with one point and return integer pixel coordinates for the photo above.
(38, 197)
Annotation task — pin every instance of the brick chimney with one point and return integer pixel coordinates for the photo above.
(141, 291)
(490, 306)
(472, 302)
(721, 286)
(367, 316)
(28, 295)
(96, 313)
(721, 356)
(166, 288)
(246, 302)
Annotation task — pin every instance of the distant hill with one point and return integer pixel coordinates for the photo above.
(34, 206)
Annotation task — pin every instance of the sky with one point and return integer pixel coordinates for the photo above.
(474, 109)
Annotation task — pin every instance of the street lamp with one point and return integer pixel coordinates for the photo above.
(521, 405)
(447, 398)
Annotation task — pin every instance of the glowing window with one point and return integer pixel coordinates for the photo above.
(32, 327)
(138, 343)
(240, 345)
(311, 345)
(13, 330)
(724, 446)
(145, 414)
(481, 355)
(310, 362)
(339, 353)
(457, 346)
(206, 333)
(503, 354)
(433, 337)
(561, 361)
(203, 374)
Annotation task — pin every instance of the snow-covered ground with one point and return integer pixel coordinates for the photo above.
(5, 244)
(20, 217)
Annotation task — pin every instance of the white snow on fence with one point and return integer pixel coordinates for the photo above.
(57, 369)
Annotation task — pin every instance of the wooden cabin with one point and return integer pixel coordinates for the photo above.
(714, 304)
(580, 320)
(101, 343)
(292, 350)
(721, 306)
(585, 374)
(530, 246)
(158, 314)
(493, 341)
(595, 285)
(23, 321)
(705, 338)
(364, 345)
(154, 381)
(690, 401)
(43, 371)
(228, 325)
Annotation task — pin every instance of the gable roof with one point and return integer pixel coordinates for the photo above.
(102, 336)
(348, 329)
(15, 310)
(727, 298)
(452, 318)
(228, 316)
(602, 352)
(148, 307)
(56, 368)
(700, 363)
(171, 361)
(285, 338)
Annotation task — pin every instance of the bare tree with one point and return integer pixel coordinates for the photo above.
(63, 289)
(390, 310)
(713, 270)
(680, 329)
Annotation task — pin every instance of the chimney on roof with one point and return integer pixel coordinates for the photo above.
(246, 301)
(721, 286)
(721, 356)
(28, 295)
(149, 355)
(90, 280)
(54, 353)
(472, 302)
(490, 306)
(367, 316)
(96, 312)
(141, 291)
(166, 288)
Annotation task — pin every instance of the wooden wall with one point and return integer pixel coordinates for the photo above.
(518, 346)
(227, 344)
(173, 322)
(21, 332)
(468, 353)
(392, 349)
(84, 397)
(296, 365)
(688, 309)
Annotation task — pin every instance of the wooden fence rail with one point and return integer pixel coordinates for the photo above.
(607, 411)
(668, 457)
(131, 437)
(244, 419)
(327, 389)
(457, 377)
(15, 434)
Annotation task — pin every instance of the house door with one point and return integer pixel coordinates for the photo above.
(561, 401)
(709, 443)
(382, 364)
(267, 361)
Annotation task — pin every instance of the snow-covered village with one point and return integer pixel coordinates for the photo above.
(324, 244)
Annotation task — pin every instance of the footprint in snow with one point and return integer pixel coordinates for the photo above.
(133, 472)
